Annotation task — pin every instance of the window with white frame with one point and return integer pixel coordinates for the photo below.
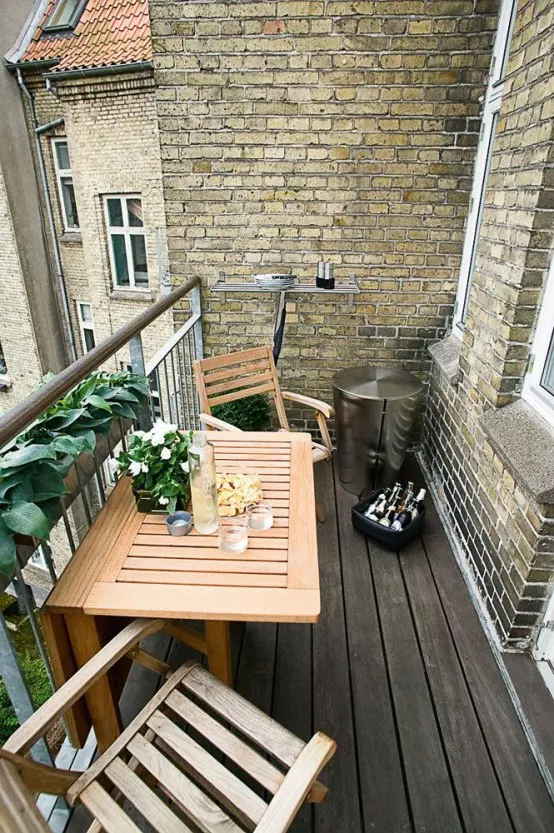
(491, 109)
(126, 241)
(538, 387)
(86, 325)
(66, 190)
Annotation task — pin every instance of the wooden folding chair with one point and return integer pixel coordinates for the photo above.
(189, 760)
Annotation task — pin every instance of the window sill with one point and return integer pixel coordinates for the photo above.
(133, 295)
(446, 354)
(72, 237)
(525, 443)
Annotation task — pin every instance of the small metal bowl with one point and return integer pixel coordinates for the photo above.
(180, 523)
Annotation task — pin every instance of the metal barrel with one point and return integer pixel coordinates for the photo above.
(375, 409)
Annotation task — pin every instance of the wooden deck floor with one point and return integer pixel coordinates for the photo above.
(400, 673)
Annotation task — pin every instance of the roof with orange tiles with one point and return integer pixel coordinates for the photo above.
(109, 32)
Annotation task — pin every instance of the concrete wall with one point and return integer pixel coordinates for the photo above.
(298, 131)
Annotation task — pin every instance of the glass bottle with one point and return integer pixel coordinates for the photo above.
(373, 506)
(203, 485)
(379, 510)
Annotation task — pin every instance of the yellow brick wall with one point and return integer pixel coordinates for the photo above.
(298, 131)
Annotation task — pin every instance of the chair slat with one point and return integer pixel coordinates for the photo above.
(243, 382)
(233, 747)
(252, 722)
(214, 777)
(230, 372)
(196, 805)
(106, 811)
(241, 394)
(144, 799)
(215, 362)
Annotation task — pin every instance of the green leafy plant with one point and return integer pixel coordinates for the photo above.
(157, 462)
(33, 468)
(249, 414)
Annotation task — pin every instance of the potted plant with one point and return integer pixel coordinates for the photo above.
(157, 462)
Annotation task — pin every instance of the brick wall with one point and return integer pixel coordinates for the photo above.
(16, 327)
(298, 131)
(506, 535)
(111, 128)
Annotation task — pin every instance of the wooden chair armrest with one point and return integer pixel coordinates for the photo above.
(44, 717)
(296, 785)
(316, 404)
(219, 424)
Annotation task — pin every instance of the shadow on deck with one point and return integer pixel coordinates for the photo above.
(400, 673)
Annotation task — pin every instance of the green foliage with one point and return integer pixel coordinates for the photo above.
(249, 414)
(33, 468)
(157, 462)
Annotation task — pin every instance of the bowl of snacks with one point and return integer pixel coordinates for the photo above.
(236, 491)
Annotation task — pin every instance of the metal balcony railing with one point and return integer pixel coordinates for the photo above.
(174, 399)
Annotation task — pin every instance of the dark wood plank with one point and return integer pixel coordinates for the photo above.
(478, 793)
(536, 701)
(430, 790)
(524, 790)
(292, 694)
(382, 785)
(331, 679)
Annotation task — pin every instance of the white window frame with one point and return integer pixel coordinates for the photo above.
(63, 173)
(533, 392)
(491, 109)
(127, 231)
(85, 325)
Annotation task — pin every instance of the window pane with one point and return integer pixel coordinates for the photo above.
(86, 313)
(114, 212)
(138, 248)
(63, 13)
(70, 206)
(62, 155)
(134, 207)
(120, 260)
(547, 379)
(89, 339)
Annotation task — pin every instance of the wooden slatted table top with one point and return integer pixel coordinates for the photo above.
(128, 564)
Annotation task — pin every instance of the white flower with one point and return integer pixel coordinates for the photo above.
(144, 468)
(141, 434)
(165, 453)
(163, 501)
(185, 466)
(135, 468)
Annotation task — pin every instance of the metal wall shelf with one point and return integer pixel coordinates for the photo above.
(343, 289)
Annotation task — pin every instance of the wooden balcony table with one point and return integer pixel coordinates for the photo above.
(128, 566)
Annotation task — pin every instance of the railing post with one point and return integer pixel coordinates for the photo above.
(17, 689)
(196, 309)
(138, 366)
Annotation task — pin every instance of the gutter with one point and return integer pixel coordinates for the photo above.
(110, 69)
(51, 226)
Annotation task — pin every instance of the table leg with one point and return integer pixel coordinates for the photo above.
(86, 641)
(77, 719)
(219, 651)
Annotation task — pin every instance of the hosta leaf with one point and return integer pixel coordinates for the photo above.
(7, 551)
(52, 509)
(64, 419)
(27, 519)
(89, 437)
(28, 454)
(9, 482)
(121, 395)
(122, 409)
(47, 483)
(22, 492)
(98, 402)
(70, 445)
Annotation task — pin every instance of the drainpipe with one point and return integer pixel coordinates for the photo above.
(51, 226)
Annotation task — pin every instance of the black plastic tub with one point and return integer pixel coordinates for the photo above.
(390, 538)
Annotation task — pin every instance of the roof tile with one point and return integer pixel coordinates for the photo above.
(108, 32)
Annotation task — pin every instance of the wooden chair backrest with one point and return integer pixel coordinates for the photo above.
(18, 812)
(238, 375)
